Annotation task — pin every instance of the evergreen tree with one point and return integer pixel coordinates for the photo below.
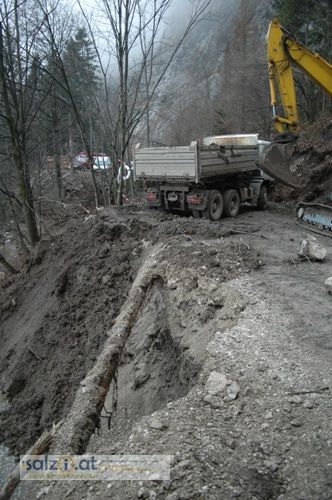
(81, 68)
(309, 21)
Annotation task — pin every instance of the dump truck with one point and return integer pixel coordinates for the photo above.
(210, 178)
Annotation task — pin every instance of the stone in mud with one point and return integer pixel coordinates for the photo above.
(216, 383)
(158, 425)
(328, 285)
(312, 249)
(233, 391)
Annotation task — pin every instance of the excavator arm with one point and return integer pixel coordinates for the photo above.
(283, 51)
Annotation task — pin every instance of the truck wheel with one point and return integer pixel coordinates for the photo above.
(215, 205)
(262, 198)
(231, 202)
(197, 214)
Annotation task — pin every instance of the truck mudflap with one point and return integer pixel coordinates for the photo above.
(197, 200)
(153, 198)
(317, 214)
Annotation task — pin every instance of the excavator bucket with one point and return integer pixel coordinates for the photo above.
(276, 163)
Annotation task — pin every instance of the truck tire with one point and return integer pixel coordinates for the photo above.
(262, 198)
(231, 202)
(215, 205)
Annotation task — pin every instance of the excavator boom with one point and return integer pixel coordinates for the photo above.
(281, 79)
(282, 52)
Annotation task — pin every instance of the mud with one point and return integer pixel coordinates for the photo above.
(310, 163)
(54, 321)
(233, 299)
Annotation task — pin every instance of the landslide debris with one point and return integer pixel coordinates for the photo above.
(56, 317)
(311, 163)
(54, 321)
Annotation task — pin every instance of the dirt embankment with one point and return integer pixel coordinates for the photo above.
(55, 318)
(311, 163)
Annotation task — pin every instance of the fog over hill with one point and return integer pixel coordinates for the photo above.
(221, 67)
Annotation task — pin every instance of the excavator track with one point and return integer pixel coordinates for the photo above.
(318, 215)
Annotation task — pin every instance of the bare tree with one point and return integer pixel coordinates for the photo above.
(20, 106)
(135, 45)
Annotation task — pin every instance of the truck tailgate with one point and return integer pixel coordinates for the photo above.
(178, 163)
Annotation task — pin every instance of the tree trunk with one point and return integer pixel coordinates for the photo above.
(27, 199)
(17, 137)
(57, 148)
(120, 184)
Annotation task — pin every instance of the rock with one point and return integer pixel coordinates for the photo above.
(216, 383)
(276, 459)
(233, 391)
(43, 492)
(328, 285)
(158, 425)
(230, 443)
(214, 402)
(69, 492)
(272, 466)
(311, 248)
(152, 495)
(172, 284)
(308, 404)
(105, 279)
(296, 423)
(295, 400)
(184, 464)
(173, 496)
(142, 493)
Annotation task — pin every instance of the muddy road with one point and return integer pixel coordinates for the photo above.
(227, 367)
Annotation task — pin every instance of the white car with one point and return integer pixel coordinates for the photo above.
(102, 163)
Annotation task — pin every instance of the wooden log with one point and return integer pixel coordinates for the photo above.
(38, 448)
(84, 415)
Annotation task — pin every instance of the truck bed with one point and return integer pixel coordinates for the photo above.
(163, 163)
(196, 162)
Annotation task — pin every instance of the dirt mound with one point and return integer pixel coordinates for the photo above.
(311, 163)
(55, 320)
(314, 165)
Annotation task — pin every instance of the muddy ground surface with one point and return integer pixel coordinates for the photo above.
(227, 369)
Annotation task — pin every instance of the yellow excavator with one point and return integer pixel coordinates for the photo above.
(284, 52)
